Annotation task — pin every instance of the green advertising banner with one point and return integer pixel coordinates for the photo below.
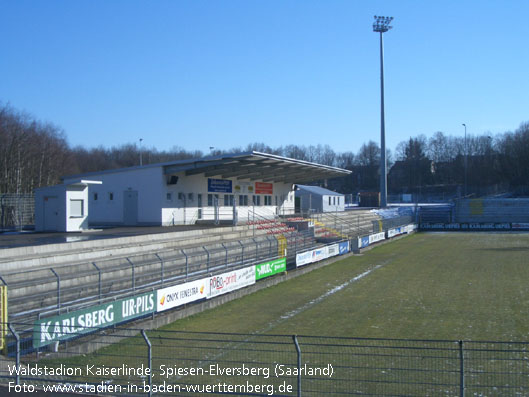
(268, 269)
(79, 322)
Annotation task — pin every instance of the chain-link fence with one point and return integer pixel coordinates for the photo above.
(157, 362)
(16, 211)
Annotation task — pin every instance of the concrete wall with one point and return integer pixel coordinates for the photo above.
(337, 203)
(320, 203)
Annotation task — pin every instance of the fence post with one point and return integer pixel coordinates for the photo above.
(298, 351)
(187, 262)
(58, 289)
(99, 281)
(242, 251)
(256, 248)
(17, 362)
(161, 263)
(207, 263)
(461, 370)
(133, 277)
(149, 359)
(225, 249)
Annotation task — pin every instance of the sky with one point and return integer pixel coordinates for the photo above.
(225, 73)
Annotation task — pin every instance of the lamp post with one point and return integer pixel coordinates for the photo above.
(381, 25)
(141, 159)
(466, 157)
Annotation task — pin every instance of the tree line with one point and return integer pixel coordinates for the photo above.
(35, 153)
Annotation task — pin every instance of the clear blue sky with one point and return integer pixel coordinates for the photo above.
(227, 73)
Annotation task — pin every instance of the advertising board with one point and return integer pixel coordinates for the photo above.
(427, 225)
(344, 247)
(518, 226)
(333, 250)
(264, 188)
(394, 232)
(177, 295)
(374, 238)
(303, 258)
(79, 322)
(319, 254)
(231, 281)
(363, 242)
(219, 185)
(268, 269)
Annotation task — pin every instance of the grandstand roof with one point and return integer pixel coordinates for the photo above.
(246, 165)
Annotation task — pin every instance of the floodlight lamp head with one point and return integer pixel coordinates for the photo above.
(381, 24)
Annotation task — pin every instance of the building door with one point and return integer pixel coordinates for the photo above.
(130, 207)
(51, 213)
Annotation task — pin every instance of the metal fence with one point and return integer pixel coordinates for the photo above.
(16, 210)
(58, 289)
(146, 362)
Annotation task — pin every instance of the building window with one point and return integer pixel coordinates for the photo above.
(110, 196)
(267, 200)
(256, 200)
(329, 200)
(228, 200)
(169, 196)
(95, 196)
(334, 201)
(211, 202)
(276, 201)
(338, 200)
(243, 200)
(76, 208)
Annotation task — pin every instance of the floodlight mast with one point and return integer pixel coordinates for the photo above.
(381, 25)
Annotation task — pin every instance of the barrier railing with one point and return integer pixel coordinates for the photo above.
(138, 361)
(65, 288)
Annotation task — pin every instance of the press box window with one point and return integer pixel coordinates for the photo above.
(76, 209)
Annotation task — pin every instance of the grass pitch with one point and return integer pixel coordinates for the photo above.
(471, 286)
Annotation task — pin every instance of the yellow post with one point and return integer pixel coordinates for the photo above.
(281, 245)
(3, 316)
